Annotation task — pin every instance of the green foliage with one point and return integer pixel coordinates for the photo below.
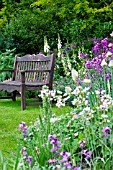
(7, 61)
(25, 23)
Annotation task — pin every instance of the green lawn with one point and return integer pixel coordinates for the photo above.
(11, 115)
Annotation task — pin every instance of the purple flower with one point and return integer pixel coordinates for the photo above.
(24, 148)
(52, 161)
(88, 64)
(111, 49)
(20, 164)
(57, 153)
(52, 136)
(106, 129)
(57, 167)
(108, 76)
(54, 148)
(25, 129)
(30, 160)
(86, 154)
(24, 135)
(25, 153)
(21, 125)
(75, 168)
(82, 54)
(82, 143)
(104, 42)
(55, 141)
(73, 46)
(64, 159)
(96, 47)
(68, 49)
(68, 165)
(63, 54)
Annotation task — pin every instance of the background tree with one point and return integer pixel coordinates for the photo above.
(25, 23)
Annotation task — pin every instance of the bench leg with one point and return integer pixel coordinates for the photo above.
(14, 96)
(23, 98)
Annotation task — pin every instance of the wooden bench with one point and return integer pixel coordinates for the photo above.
(30, 72)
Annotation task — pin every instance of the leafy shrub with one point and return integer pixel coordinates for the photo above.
(7, 61)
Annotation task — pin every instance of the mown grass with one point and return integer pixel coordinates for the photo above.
(11, 115)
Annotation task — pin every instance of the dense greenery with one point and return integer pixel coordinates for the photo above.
(23, 24)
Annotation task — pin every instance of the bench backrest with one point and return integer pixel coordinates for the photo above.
(45, 65)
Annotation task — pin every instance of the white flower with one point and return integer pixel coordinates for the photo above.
(111, 34)
(59, 46)
(53, 120)
(110, 45)
(59, 53)
(111, 63)
(74, 101)
(76, 134)
(68, 90)
(87, 81)
(103, 63)
(104, 116)
(108, 54)
(59, 92)
(46, 46)
(74, 74)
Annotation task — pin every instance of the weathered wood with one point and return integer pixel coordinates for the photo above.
(13, 96)
(23, 97)
(30, 72)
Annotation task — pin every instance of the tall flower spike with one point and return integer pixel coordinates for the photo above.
(59, 45)
(46, 46)
(74, 74)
